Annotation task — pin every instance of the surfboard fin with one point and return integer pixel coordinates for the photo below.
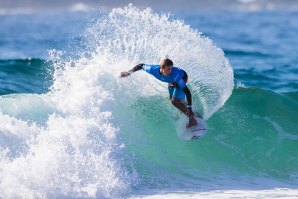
(195, 137)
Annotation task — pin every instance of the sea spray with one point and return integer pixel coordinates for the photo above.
(128, 36)
(74, 153)
(82, 143)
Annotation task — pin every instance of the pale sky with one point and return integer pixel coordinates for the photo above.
(85, 5)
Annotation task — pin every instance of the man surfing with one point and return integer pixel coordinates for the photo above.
(177, 79)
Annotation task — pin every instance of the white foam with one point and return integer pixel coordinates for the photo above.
(268, 193)
(73, 149)
(73, 153)
(129, 36)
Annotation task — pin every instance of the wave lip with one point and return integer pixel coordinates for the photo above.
(74, 143)
(129, 35)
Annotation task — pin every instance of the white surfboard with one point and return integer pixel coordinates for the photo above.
(193, 132)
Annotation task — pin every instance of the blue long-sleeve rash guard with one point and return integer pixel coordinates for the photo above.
(178, 77)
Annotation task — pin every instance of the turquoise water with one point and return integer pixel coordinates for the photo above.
(245, 141)
(71, 128)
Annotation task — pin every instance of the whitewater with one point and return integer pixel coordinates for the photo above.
(94, 135)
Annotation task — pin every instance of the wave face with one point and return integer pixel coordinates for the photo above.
(251, 142)
(94, 135)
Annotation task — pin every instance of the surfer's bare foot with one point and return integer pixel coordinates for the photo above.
(192, 122)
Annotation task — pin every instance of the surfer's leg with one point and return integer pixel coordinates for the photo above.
(182, 107)
(178, 100)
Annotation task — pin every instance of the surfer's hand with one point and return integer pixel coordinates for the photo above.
(124, 74)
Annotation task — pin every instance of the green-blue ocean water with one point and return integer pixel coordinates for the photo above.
(254, 135)
(251, 141)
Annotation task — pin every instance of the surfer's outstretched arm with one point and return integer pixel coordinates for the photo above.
(134, 69)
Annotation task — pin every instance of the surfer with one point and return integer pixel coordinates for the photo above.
(177, 78)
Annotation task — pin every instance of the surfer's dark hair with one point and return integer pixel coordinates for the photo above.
(166, 62)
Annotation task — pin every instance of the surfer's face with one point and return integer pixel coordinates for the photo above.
(166, 70)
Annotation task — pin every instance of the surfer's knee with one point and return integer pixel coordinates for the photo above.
(175, 101)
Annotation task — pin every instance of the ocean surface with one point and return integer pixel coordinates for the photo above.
(70, 128)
